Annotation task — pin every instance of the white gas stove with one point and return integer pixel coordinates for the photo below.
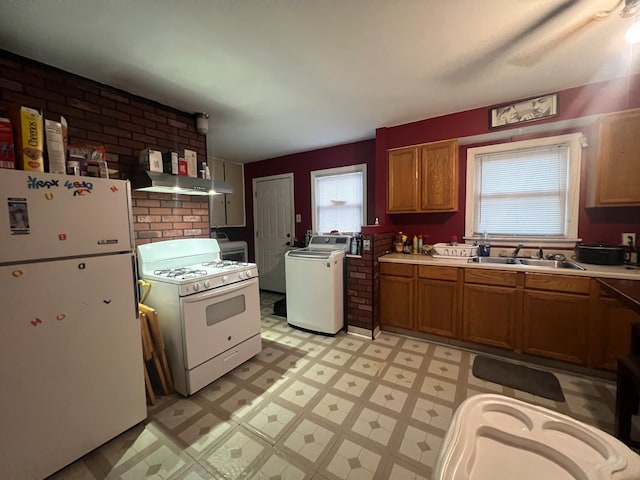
(194, 264)
(209, 308)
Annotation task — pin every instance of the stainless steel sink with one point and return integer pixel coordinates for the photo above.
(539, 262)
(500, 260)
(530, 262)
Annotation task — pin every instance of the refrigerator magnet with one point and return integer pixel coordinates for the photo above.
(18, 216)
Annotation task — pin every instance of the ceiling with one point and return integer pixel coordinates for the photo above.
(285, 76)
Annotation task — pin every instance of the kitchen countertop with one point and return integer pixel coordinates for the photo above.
(625, 291)
(605, 271)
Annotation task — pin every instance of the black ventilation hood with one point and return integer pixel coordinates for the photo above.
(148, 181)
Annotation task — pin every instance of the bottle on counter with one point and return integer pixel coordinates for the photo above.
(353, 249)
(414, 248)
(484, 250)
(419, 243)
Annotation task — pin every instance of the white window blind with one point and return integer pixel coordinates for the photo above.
(523, 192)
(339, 199)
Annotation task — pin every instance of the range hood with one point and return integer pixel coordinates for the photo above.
(148, 181)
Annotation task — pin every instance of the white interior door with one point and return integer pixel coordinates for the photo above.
(273, 228)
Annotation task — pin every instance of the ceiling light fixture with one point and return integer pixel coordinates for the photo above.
(631, 8)
(202, 123)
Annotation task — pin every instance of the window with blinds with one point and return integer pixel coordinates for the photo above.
(524, 189)
(339, 199)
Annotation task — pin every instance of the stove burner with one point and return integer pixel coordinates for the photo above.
(223, 263)
(180, 272)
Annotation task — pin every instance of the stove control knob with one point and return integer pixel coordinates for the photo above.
(225, 279)
(196, 286)
(207, 284)
(248, 274)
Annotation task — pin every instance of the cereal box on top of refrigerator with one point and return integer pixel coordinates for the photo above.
(29, 135)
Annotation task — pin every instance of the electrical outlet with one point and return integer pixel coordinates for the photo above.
(625, 239)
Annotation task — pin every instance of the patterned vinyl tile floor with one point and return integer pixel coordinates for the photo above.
(322, 408)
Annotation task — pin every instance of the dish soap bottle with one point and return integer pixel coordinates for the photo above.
(485, 248)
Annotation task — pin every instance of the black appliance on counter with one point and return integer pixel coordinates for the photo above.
(600, 254)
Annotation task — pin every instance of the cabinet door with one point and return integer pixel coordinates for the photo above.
(234, 174)
(555, 325)
(489, 315)
(397, 301)
(217, 215)
(402, 174)
(618, 165)
(614, 332)
(439, 176)
(437, 307)
(227, 210)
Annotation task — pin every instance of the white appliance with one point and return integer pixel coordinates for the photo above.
(493, 436)
(71, 366)
(235, 250)
(208, 308)
(315, 284)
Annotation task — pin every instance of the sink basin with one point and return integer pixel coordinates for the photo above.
(539, 262)
(530, 262)
(500, 260)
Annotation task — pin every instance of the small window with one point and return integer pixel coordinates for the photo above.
(525, 190)
(338, 197)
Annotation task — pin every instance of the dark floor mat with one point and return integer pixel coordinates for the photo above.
(280, 308)
(520, 377)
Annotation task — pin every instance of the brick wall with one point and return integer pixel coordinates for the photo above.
(363, 282)
(124, 124)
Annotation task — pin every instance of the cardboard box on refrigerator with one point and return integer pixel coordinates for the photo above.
(29, 136)
(56, 152)
(7, 156)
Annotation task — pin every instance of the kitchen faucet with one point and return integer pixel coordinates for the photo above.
(515, 252)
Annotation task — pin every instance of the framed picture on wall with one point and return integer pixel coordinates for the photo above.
(528, 110)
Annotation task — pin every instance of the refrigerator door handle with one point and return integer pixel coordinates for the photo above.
(136, 289)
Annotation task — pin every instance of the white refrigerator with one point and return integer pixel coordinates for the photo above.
(71, 371)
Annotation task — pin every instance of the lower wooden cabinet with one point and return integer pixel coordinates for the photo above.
(438, 296)
(556, 316)
(561, 317)
(397, 295)
(491, 302)
(613, 335)
(555, 325)
(489, 315)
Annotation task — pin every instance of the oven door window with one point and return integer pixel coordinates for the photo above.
(219, 319)
(226, 309)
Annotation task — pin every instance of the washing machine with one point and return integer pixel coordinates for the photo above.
(315, 286)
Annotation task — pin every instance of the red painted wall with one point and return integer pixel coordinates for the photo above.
(302, 164)
(594, 224)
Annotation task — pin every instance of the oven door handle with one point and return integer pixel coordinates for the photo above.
(234, 287)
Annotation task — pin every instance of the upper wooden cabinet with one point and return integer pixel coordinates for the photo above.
(613, 160)
(227, 210)
(423, 178)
